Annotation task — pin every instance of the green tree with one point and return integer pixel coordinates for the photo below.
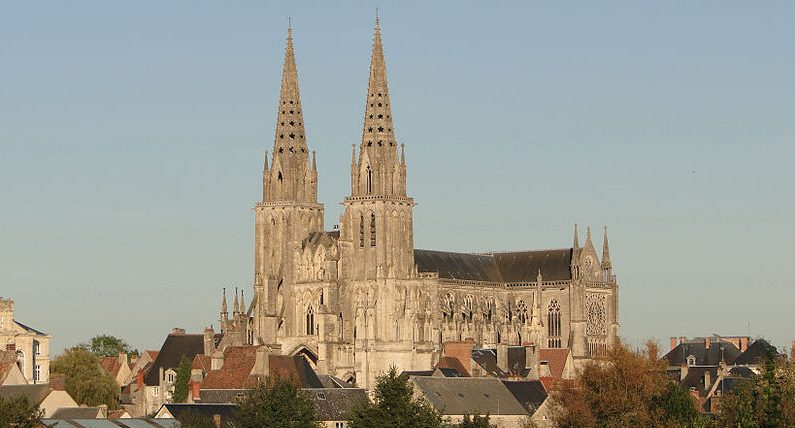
(181, 382)
(395, 407)
(18, 412)
(193, 419)
(86, 381)
(475, 421)
(765, 400)
(275, 403)
(676, 406)
(107, 346)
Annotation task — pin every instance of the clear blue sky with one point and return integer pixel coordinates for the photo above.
(132, 135)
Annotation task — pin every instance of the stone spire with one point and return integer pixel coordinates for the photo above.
(236, 308)
(290, 177)
(243, 308)
(224, 313)
(606, 263)
(379, 169)
(223, 303)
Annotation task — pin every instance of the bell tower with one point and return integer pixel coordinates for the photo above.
(376, 227)
(289, 210)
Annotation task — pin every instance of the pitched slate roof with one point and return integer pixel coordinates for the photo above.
(469, 395)
(487, 359)
(224, 410)
(335, 404)
(450, 366)
(695, 378)
(718, 350)
(529, 393)
(115, 423)
(76, 413)
(29, 329)
(521, 266)
(174, 348)
(34, 393)
(756, 353)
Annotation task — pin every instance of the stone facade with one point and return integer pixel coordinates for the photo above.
(31, 346)
(361, 298)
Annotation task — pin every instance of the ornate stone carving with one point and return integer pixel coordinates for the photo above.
(595, 314)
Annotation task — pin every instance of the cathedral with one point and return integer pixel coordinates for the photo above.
(360, 298)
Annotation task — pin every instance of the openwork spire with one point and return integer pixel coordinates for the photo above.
(606, 263)
(290, 135)
(378, 130)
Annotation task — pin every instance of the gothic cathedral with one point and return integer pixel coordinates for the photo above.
(359, 299)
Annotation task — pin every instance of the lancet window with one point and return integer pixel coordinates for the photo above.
(521, 311)
(310, 320)
(553, 324)
(372, 230)
(361, 230)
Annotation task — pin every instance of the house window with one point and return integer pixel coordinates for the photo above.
(156, 391)
(36, 347)
(310, 321)
(171, 377)
(339, 424)
(36, 373)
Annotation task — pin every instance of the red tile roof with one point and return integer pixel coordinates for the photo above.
(202, 362)
(556, 358)
(235, 373)
(111, 365)
(452, 363)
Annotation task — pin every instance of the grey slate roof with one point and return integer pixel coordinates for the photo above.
(712, 356)
(529, 393)
(34, 393)
(75, 413)
(112, 423)
(756, 353)
(335, 404)
(521, 266)
(30, 329)
(225, 411)
(469, 395)
(487, 359)
(174, 348)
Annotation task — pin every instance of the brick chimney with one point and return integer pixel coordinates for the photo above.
(674, 342)
(177, 331)
(195, 390)
(461, 351)
(58, 381)
(139, 379)
(707, 342)
(502, 357)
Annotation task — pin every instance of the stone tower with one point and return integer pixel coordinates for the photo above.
(376, 231)
(288, 210)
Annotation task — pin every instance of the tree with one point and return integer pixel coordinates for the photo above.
(623, 388)
(275, 403)
(19, 412)
(476, 421)
(193, 419)
(764, 400)
(395, 407)
(107, 346)
(86, 381)
(181, 382)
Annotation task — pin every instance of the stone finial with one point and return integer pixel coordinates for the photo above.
(223, 303)
(237, 304)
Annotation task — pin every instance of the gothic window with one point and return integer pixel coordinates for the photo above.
(342, 327)
(489, 312)
(596, 314)
(369, 180)
(447, 309)
(553, 324)
(279, 177)
(521, 312)
(372, 230)
(509, 314)
(361, 231)
(310, 321)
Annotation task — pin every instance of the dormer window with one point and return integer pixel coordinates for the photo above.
(691, 360)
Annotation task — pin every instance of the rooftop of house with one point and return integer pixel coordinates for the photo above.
(240, 360)
(35, 394)
(529, 393)
(710, 353)
(78, 413)
(756, 353)
(111, 423)
(335, 404)
(468, 395)
(176, 346)
(224, 410)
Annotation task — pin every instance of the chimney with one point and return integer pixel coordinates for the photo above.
(707, 342)
(217, 421)
(209, 340)
(743, 343)
(531, 361)
(502, 357)
(195, 390)
(58, 381)
(462, 352)
(262, 363)
(682, 339)
(139, 379)
(674, 342)
(707, 380)
(217, 360)
(177, 331)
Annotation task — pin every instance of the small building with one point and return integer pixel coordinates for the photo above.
(31, 346)
(111, 423)
(48, 399)
(10, 371)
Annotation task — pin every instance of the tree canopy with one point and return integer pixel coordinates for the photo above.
(624, 388)
(107, 346)
(395, 406)
(18, 412)
(86, 381)
(181, 382)
(275, 403)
